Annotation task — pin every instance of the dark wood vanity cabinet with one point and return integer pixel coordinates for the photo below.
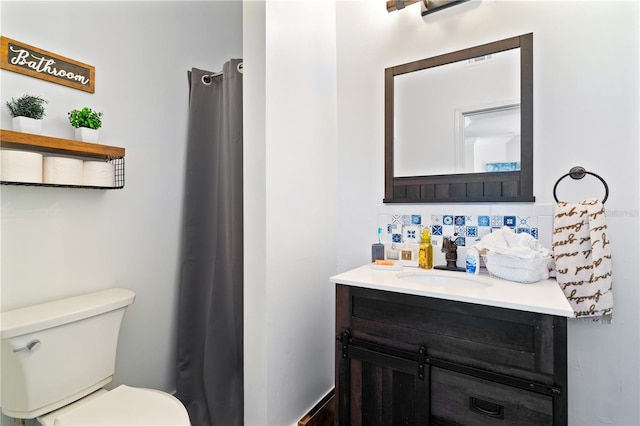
(412, 360)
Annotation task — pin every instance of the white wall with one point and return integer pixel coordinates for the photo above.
(313, 169)
(585, 113)
(291, 207)
(60, 242)
(255, 221)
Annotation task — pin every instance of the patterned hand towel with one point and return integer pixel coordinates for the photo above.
(582, 254)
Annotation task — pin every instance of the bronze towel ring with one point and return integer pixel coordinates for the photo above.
(578, 172)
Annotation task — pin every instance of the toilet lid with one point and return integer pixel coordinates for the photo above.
(128, 406)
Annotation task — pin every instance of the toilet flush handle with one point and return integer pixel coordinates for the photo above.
(32, 346)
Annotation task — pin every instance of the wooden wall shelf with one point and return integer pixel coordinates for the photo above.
(10, 139)
(49, 144)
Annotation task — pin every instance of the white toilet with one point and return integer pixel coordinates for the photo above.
(57, 356)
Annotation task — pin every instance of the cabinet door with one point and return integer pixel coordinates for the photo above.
(377, 388)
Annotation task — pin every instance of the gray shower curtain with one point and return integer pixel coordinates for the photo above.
(210, 345)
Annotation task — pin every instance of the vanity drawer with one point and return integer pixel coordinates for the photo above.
(466, 400)
(503, 341)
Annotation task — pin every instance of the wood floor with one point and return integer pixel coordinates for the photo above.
(322, 414)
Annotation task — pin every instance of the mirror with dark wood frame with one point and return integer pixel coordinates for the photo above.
(513, 185)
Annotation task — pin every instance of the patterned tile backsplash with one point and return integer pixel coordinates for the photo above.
(407, 228)
(464, 223)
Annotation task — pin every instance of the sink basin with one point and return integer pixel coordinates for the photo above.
(441, 280)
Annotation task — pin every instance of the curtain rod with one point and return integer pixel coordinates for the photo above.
(206, 79)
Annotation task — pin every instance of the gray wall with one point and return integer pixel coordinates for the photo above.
(61, 242)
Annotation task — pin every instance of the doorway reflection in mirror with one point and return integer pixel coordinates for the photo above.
(487, 139)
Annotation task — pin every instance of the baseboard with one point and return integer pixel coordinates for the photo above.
(322, 414)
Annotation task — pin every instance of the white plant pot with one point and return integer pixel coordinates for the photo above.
(27, 125)
(86, 134)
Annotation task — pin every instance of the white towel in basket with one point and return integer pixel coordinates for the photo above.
(505, 241)
(582, 253)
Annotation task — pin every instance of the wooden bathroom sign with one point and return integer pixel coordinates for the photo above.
(29, 60)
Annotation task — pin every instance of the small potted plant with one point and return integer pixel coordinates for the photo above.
(86, 122)
(27, 112)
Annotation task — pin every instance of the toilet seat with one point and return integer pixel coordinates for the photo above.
(123, 405)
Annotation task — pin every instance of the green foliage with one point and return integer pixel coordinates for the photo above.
(27, 106)
(85, 117)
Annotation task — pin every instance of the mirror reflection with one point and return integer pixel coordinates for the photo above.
(461, 117)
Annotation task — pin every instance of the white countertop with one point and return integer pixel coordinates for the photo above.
(544, 297)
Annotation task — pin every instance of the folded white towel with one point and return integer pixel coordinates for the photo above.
(507, 242)
(582, 253)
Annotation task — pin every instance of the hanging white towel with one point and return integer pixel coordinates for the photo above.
(582, 253)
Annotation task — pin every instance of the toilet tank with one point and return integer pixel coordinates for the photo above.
(58, 352)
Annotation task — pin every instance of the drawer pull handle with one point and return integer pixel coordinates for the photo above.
(487, 408)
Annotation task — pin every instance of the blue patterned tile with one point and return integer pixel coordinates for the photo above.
(406, 219)
(436, 230)
(484, 221)
(459, 220)
(460, 241)
(534, 232)
(460, 230)
(510, 221)
(393, 228)
(497, 221)
(396, 238)
(472, 231)
(523, 222)
(447, 219)
(523, 230)
(411, 233)
(416, 219)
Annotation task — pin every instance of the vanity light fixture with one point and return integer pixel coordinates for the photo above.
(430, 6)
